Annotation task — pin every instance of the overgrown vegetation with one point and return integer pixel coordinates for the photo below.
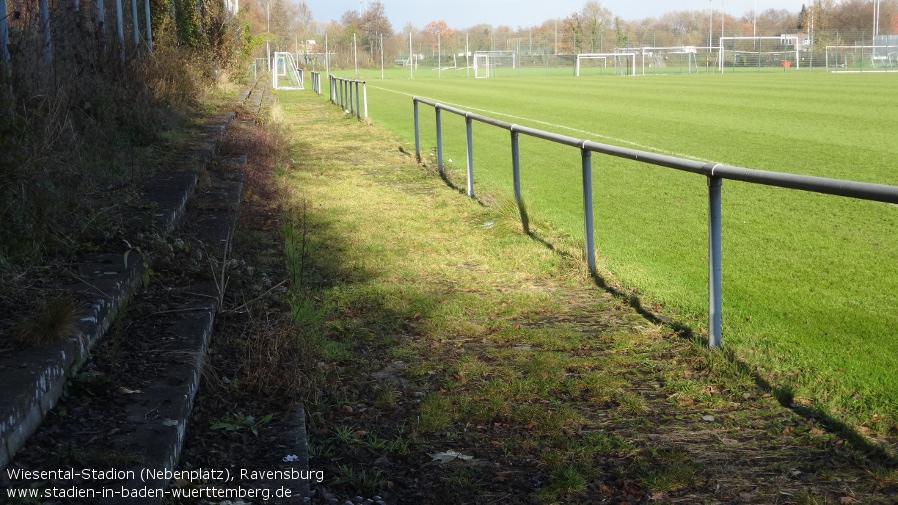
(84, 122)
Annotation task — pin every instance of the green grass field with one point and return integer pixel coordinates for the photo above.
(809, 280)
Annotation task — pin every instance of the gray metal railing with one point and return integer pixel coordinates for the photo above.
(345, 93)
(714, 172)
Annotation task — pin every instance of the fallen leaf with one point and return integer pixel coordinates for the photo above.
(847, 499)
(450, 455)
(817, 431)
(530, 425)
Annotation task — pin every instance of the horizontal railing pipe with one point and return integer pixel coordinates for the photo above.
(715, 173)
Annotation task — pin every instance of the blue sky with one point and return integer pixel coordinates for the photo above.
(462, 14)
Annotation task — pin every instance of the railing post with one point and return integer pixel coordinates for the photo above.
(588, 228)
(715, 282)
(417, 132)
(365, 98)
(349, 101)
(358, 108)
(470, 144)
(439, 141)
(516, 165)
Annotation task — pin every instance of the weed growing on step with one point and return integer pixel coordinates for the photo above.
(241, 422)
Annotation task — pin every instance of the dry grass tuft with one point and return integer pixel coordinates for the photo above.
(274, 363)
(55, 321)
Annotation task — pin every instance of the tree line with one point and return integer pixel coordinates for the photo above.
(594, 28)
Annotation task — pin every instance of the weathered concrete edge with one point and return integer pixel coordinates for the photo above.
(27, 402)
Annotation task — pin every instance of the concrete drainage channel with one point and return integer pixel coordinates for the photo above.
(152, 420)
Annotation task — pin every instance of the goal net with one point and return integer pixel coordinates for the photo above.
(760, 52)
(605, 63)
(493, 63)
(861, 58)
(670, 60)
(284, 74)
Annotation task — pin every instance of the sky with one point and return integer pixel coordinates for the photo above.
(461, 14)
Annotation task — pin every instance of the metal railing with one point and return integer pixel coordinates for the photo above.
(714, 172)
(345, 93)
(316, 82)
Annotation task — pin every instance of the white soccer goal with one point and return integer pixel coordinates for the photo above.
(489, 63)
(669, 60)
(284, 74)
(760, 52)
(861, 58)
(621, 63)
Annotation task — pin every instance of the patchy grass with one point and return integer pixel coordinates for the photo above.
(443, 331)
(808, 290)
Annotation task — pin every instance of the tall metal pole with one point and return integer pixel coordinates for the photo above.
(146, 5)
(268, 34)
(45, 21)
(439, 56)
(134, 23)
(875, 21)
(411, 65)
(4, 38)
(120, 29)
(101, 19)
(710, 25)
(327, 57)
(754, 30)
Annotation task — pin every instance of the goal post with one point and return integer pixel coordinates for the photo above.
(284, 73)
(621, 63)
(488, 63)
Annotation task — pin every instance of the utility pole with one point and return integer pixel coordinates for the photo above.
(268, 34)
